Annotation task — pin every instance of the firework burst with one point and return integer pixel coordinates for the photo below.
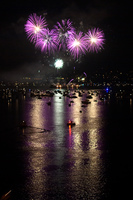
(47, 41)
(34, 27)
(63, 37)
(95, 39)
(77, 45)
(64, 31)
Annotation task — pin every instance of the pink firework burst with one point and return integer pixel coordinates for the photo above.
(95, 39)
(34, 26)
(77, 45)
(64, 30)
(47, 41)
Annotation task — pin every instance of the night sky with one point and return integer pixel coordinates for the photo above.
(17, 54)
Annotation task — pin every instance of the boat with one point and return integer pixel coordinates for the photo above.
(73, 96)
(86, 101)
(89, 96)
(22, 124)
(70, 123)
(84, 105)
(39, 97)
(80, 94)
(72, 101)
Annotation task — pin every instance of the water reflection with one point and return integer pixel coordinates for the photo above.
(93, 139)
(96, 165)
(37, 142)
(70, 138)
(37, 113)
(67, 160)
(84, 161)
(74, 113)
(58, 113)
(36, 161)
(87, 175)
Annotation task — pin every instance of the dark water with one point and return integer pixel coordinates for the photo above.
(91, 160)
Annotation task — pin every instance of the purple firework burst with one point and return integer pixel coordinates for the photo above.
(34, 26)
(47, 41)
(95, 39)
(77, 45)
(64, 31)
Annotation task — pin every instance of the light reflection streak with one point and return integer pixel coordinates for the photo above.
(75, 111)
(59, 118)
(58, 111)
(37, 114)
(70, 136)
(70, 130)
(93, 138)
(86, 175)
(37, 161)
(87, 155)
(35, 142)
(93, 110)
(59, 127)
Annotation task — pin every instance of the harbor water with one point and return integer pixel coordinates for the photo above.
(52, 160)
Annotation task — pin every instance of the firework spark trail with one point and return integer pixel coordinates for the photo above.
(64, 31)
(85, 74)
(95, 39)
(47, 41)
(34, 27)
(70, 81)
(77, 45)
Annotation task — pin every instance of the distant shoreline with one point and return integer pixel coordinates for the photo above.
(49, 87)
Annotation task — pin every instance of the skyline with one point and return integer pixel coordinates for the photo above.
(17, 54)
